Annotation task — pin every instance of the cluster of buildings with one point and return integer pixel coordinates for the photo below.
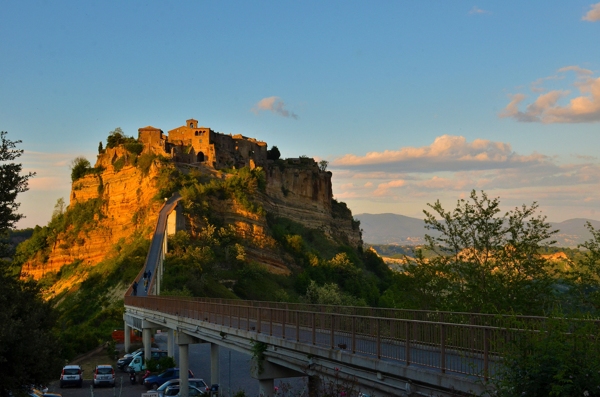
(200, 145)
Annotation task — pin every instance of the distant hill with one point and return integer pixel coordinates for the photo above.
(403, 230)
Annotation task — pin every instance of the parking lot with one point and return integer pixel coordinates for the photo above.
(123, 388)
(234, 374)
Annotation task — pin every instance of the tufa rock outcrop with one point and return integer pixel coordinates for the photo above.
(126, 195)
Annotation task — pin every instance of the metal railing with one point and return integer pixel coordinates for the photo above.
(452, 347)
(483, 319)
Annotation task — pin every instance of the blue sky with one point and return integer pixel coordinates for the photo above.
(410, 102)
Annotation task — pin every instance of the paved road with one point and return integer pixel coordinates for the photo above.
(235, 375)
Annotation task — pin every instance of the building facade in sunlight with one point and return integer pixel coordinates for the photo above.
(192, 144)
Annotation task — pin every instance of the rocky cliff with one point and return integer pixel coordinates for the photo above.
(126, 194)
(126, 205)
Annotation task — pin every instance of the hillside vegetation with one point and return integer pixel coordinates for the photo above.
(241, 240)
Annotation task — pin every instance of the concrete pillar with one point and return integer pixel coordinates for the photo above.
(266, 387)
(127, 337)
(147, 340)
(314, 386)
(214, 364)
(184, 366)
(171, 343)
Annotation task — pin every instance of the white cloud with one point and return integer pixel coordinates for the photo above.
(476, 11)
(548, 107)
(593, 15)
(447, 152)
(384, 188)
(275, 105)
(562, 187)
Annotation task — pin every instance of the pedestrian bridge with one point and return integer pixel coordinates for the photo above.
(381, 352)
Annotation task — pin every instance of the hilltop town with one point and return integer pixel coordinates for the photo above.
(193, 144)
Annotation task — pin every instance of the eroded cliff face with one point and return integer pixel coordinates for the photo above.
(127, 206)
(297, 191)
(303, 193)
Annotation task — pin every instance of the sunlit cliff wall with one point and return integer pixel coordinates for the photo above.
(127, 207)
(297, 190)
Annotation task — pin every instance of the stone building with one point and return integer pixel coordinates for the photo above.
(192, 144)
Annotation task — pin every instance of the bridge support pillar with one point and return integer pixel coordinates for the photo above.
(214, 363)
(314, 386)
(266, 373)
(183, 341)
(266, 387)
(147, 341)
(184, 366)
(127, 337)
(171, 343)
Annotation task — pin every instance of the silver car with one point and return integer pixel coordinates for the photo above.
(104, 375)
(173, 391)
(196, 382)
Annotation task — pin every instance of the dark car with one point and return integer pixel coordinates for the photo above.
(154, 381)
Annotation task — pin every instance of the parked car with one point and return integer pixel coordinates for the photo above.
(196, 382)
(124, 361)
(104, 375)
(71, 375)
(153, 382)
(138, 364)
(173, 391)
(129, 355)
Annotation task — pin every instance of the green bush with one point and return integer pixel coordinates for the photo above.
(156, 365)
(145, 161)
(80, 166)
(561, 360)
(134, 147)
(119, 163)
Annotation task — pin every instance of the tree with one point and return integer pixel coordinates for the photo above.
(583, 276)
(115, 138)
(79, 168)
(323, 165)
(59, 208)
(273, 153)
(483, 261)
(100, 148)
(11, 182)
(29, 352)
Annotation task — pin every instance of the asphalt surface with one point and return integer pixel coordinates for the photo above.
(157, 242)
(234, 376)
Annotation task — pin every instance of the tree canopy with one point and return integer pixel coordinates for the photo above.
(80, 166)
(483, 260)
(273, 153)
(29, 352)
(12, 182)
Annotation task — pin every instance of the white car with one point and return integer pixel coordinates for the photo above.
(71, 375)
(104, 375)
